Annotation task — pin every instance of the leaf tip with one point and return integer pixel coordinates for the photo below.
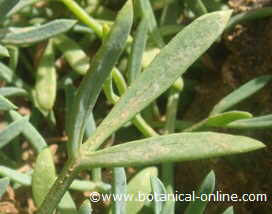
(225, 16)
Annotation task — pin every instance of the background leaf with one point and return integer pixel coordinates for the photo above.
(46, 79)
(85, 208)
(119, 188)
(252, 123)
(4, 182)
(158, 189)
(36, 34)
(12, 131)
(241, 93)
(207, 187)
(6, 6)
(44, 176)
(140, 183)
(229, 211)
(6, 105)
(30, 132)
(12, 91)
(73, 53)
(223, 119)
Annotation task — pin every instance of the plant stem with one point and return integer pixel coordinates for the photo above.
(59, 188)
(81, 14)
(121, 85)
(197, 6)
(171, 114)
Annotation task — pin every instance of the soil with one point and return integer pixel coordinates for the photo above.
(247, 54)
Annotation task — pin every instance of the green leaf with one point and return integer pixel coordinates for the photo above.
(6, 6)
(4, 182)
(172, 61)
(3, 51)
(241, 93)
(229, 211)
(140, 183)
(6, 105)
(73, 54)
(223, 119)
(158, 190)
(101, 67)
(10, 77)
(148, 14)
(15, 176)
(67, 205)
(46, 79)
(83, 186)
(12, 91)
(43, 178)
(12, 131)
(85, 208)
(119, 188)
(31, 133)
(252, 123)
(197, 6)
(137, 51)
(36, 34)
(207, 187)
(170, 148)
(247, 16)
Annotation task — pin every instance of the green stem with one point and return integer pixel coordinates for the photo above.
(171, 114)
(195, 126)
(121, 85)
(81, 14)
(197, 7)
(248, 16)
(59, 188)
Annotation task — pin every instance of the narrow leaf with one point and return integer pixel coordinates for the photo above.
(241, 93)
(158, 190)
(170, 148)
(4, 182)
(12, 131)
(247, 16)
(139, 184)
(31, 133)
(119, 188)
(73, 53)
(46, 79)
(221, 120)
(138, 47)
(83, 186)
(252, 123)
(10, 77)
(148, 14)
(165, 69)
(77, 185)
(36, 34)
(15, 176)
(6, 6)
(85, 208)
(5, 104)
(3, 51)
(12, 91)
(101, 67)
(43, 178)
(207, 187)
(229, 211)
